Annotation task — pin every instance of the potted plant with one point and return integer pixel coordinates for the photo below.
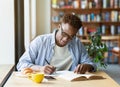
(97, 50)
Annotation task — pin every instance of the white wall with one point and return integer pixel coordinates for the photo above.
(7, 54)
(37, 19)
(29, 21)
(43, 16)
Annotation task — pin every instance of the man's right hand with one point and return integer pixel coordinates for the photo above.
(48, 69)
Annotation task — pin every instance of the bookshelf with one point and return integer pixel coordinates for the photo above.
(96, 15)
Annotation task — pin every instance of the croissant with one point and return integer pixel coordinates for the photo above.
(27, 70)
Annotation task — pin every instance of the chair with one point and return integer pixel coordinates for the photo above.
(115, 50)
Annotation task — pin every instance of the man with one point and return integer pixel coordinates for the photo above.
(61, 50)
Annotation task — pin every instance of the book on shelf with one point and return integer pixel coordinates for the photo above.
(111, 3)
(71, 76)
(112, 30)
(104, 3)
(118, 32)
(84, 4)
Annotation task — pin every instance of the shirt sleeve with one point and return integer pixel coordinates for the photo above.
(28, 58)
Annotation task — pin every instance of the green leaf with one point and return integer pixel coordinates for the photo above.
(96, 49)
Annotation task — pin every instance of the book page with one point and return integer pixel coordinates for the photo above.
(71, 76)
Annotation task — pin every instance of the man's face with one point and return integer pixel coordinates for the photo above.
(65, 34)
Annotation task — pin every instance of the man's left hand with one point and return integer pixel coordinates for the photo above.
(83, 68)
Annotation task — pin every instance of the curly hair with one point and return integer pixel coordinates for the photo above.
(73, 20)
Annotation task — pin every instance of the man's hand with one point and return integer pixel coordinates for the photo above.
(48, 69)
(83, 68)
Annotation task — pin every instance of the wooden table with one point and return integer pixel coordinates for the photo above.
(5, 71)
(15, 81)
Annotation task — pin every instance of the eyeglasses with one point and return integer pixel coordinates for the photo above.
(64, 34)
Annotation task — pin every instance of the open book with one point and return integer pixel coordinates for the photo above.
(71, 76)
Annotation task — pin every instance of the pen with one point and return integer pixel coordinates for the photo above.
(47, 61)
(49, 64)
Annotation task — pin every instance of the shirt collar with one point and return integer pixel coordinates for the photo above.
(53, 37)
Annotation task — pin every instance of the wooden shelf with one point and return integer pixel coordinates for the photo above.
(104, 38)
(110, 9)
(91, 9)
(110, 23)
(78, 10)
(86, 11)
(96, 23)
(110, 37)
(102, 23)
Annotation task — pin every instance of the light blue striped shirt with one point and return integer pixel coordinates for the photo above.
(41, 48)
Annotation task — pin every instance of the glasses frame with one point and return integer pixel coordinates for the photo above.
(64, 34)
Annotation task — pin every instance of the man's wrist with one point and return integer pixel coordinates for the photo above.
(36, 68)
